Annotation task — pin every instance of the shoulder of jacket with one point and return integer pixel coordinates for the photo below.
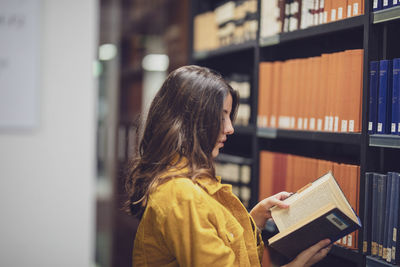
(177, 191)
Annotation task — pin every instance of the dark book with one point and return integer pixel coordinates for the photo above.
(395, 240)
(373, 96)
(382, 178)
(374, 216)
(317, 211)
(367, 213)
(386, 232)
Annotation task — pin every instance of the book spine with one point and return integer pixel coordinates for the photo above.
(384, 95)
(386, 218)
(381, 212)
(395, 129)
(374, 216)
(373, 96)
(391, 191)
(367, 213)
(395, 239)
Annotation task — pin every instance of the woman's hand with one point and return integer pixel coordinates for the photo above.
(311, 255)
(261, 212)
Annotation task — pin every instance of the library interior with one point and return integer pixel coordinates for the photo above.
(319, 91)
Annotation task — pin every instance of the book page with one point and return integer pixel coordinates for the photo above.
(303, 206)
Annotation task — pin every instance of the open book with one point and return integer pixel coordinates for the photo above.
(317, 211)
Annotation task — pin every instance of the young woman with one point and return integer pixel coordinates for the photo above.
(188, 218)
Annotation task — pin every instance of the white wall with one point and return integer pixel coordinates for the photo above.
(47, 175)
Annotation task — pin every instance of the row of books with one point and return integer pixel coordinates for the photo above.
(319, 93)
(384, 98)
(241, 83)
(230, 23)
(284, 172)
(290, 15)
(384, 4)
(381, 216)
(239, 175)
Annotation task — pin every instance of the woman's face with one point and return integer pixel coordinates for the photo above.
(226, 128)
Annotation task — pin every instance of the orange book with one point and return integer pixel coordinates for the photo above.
(340, 92)
(322, 94)
(333, 11)
(302, 95)
(295, 93)
(327, 11)
(341, 11)
(346, 104)
(266, 175)
(356, 89)
(314, 94)
(276, 91)
(264, 94)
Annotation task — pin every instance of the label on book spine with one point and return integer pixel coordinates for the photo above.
(374, 248)
(335, 220)
(300, 123)
(305, 124)
(340, 13)
(350, 240)
(330, 126)
(336, 124)
(375, 4)
(393, 253)
(380, 250)
(351, 126)
(333, 14)
(326, 128)
(385, 2)
(312, 124)
(379, 127)
(384, 253)
(370, 124)
(389, 255)
(398, 128)
(355, 9)
(344, 240)
(365, 246)
(319, 125)
(325, 16)
(393, 130)
(349, 11)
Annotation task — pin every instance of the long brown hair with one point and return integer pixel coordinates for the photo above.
(184, 121)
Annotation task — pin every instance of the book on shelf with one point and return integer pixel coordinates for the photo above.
(384, 97)
(317, 211)
(381, 211)
(367, 213)
(290, 94)
(395, 125)
(285, 172)
(373, 96)
(377, 5)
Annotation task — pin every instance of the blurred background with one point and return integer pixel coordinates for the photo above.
(91, 67)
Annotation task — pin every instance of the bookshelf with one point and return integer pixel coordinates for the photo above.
(374, 32)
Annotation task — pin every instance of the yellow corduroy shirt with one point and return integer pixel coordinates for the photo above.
(199, 223)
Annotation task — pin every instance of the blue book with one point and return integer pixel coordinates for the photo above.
(367, 213)
(395, 129)
(373, 96)
(377, 5)
(395, 240)
(387, 223)
(384, 97)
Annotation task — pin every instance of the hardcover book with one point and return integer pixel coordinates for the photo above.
(317, 211)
